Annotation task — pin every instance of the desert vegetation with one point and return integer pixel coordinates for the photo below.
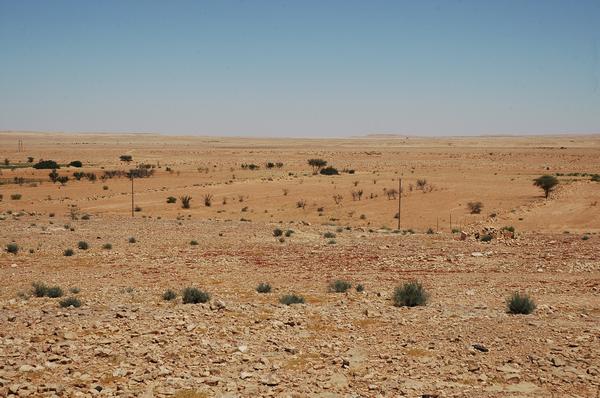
(275, 238)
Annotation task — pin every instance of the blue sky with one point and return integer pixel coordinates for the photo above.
(301, 68)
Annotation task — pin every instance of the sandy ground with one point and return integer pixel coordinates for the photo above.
(126, 341)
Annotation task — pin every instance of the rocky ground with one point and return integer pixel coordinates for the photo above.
(126, 341)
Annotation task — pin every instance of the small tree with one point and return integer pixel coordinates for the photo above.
(76, 163)
(208, 200)
(317, 164)
(547, 183)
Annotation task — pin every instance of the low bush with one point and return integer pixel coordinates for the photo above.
(360, 288)
(46, 164)
(70, 302)
(16, 196)
(192, 295)
(171, 199)
(329, 235)
(520, 303)
(263, 287)
(107, 246)
(83, 245)
(185, 201)
(329, 171)
(290, 299)
(277, 232)
(131, 240)
(54, 292)
(68, 252)
(339, 286)
(169, 295)
(411, 294)
(12, 248)
(39, 289)
(194, 242)
(486, 238)
(475, 207)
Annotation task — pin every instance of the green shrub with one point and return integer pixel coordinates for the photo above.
(520, 303)
(46, 164)
(16, 196)
(339, 286)
(263, 287)
(411, 294)
(455, 230)
(131, 240)
(185, 201)
(171, 199)
(509, 228)
(70, 301)
(290, 299)
(430, 231)
(329, 171)
(39, 289)
(69, 252)
(277, 232)
(360, 288)
(329, 235)
(289, 233)
(486, 238)
(475, 207)
(83, 245)
(585, 237)
(54, 292)
(76, 163)
(169, 295)
(12, 248)
(596, 177)
(107, 246)
(194, 242)
(74, 290)
(192, 295)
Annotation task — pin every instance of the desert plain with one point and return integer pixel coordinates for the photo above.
(299, 232)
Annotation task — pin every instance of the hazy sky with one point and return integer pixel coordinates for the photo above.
(301, 68)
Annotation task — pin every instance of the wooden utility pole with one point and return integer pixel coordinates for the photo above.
(450, 221)
(399, 200)
(132, 208)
